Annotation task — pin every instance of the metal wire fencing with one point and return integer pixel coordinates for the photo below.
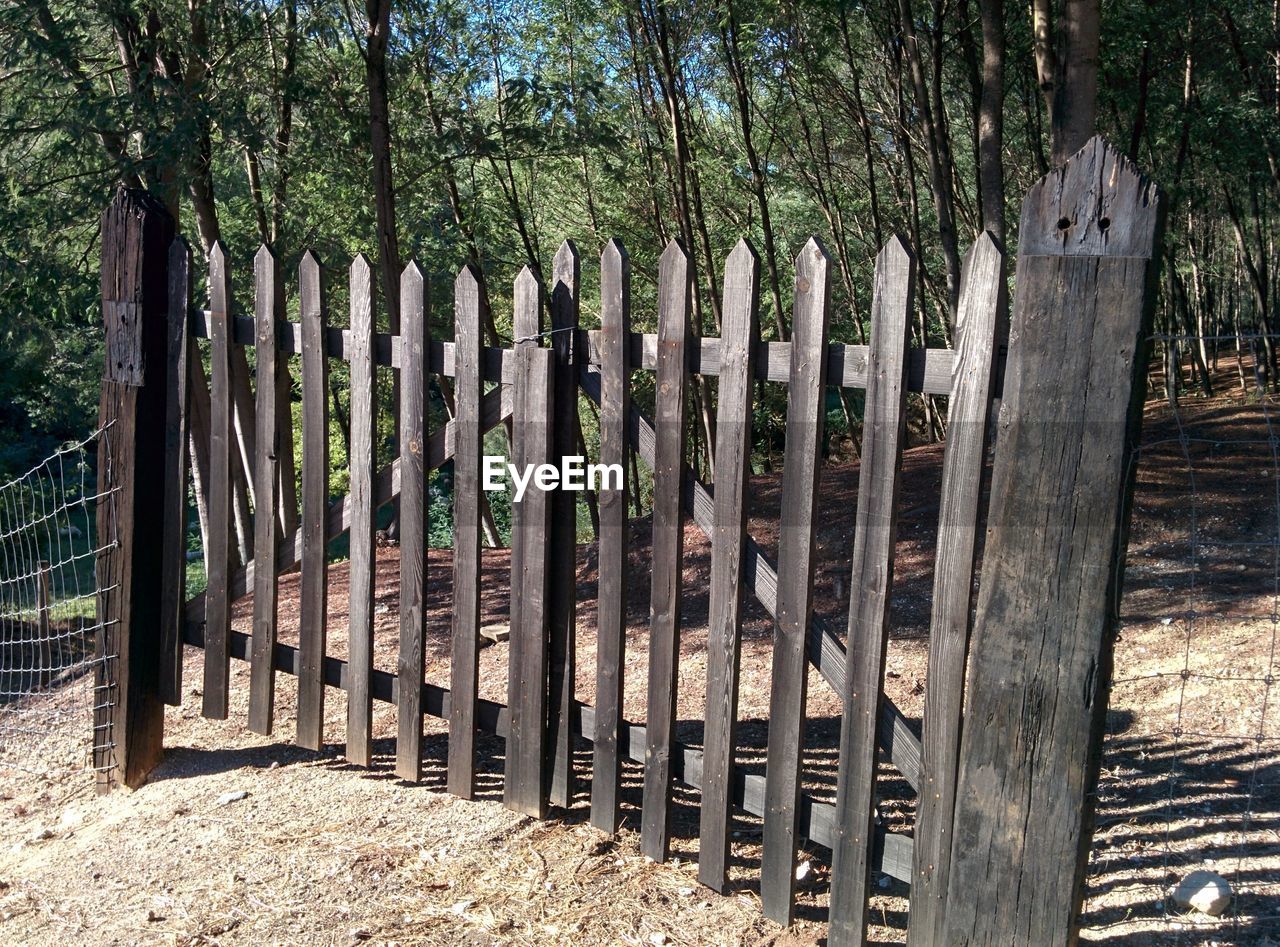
(55, 680)
(1188, 802)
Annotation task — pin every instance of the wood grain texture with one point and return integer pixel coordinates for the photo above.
(136, 236)
(525, 788)
(1061, 488)
(675, 287)
(313, 308)
(875, 529)
(262, 678)
(612, 587)
(415, 344)
(562, 552)
(980, 316)
(364, 426)
(806, 410)
(740, 332)
(217, 560)
(177, 400)
(470, 305)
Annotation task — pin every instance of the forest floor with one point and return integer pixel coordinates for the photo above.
(320, 852)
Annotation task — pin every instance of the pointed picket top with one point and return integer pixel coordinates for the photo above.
(981, 270)
(615, 286)
(360, 265)
(219, 280)
(741, 293)
(813, 250)
(218, 252)
(614, 250)
(897, 251)
(1097, 204)
(311, 298)
(673, 255)
(265, 293)
(743, 253)
(413, 298)
(412, 276)
(310, 262)
(566, 265)
(527, 308)
(468, 278)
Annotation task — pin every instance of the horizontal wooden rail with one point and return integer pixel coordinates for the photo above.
(826, 653)
(494, 409)
(817, 819)
(930, 369)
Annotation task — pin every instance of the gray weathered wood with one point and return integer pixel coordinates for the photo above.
(363, 464)
(740, 332)
(174, 553)
(525, 788)
(415, 346)
(136, 237)
(883, 433)
(262, 678)
(217, 557)
(563, 549)
(313, 308)
(470, 304)
(981, 313)
(806, 410)
(675, 287)
(1062, 481)
(612, 586)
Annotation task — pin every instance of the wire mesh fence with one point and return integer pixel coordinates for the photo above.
(55, 679)
(1191, 766)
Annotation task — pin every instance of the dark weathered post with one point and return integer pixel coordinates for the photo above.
(1061, 488)
(136, 236)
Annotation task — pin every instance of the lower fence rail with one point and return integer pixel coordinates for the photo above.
(818, 822)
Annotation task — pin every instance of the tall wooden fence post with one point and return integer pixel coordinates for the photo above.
(136, 236)
(1062, 482)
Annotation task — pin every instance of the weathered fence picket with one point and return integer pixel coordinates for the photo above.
(740, 333)
(525, 787)
(562, 542)
(470, 301)
(176, 423)
(675, 288)
(979, 330)
(806, 394)
(874, 533)
(613, 585)
(1094, 231)
(217, 617)
(363, 469)
(415, 348)
(268, 299)
(313, 312)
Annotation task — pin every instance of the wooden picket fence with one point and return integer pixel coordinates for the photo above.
(538, 380)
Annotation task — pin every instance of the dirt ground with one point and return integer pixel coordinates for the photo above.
(317, 851)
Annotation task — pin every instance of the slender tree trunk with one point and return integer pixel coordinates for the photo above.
(991, 118)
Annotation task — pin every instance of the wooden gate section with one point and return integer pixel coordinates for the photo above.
(1089, 240)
